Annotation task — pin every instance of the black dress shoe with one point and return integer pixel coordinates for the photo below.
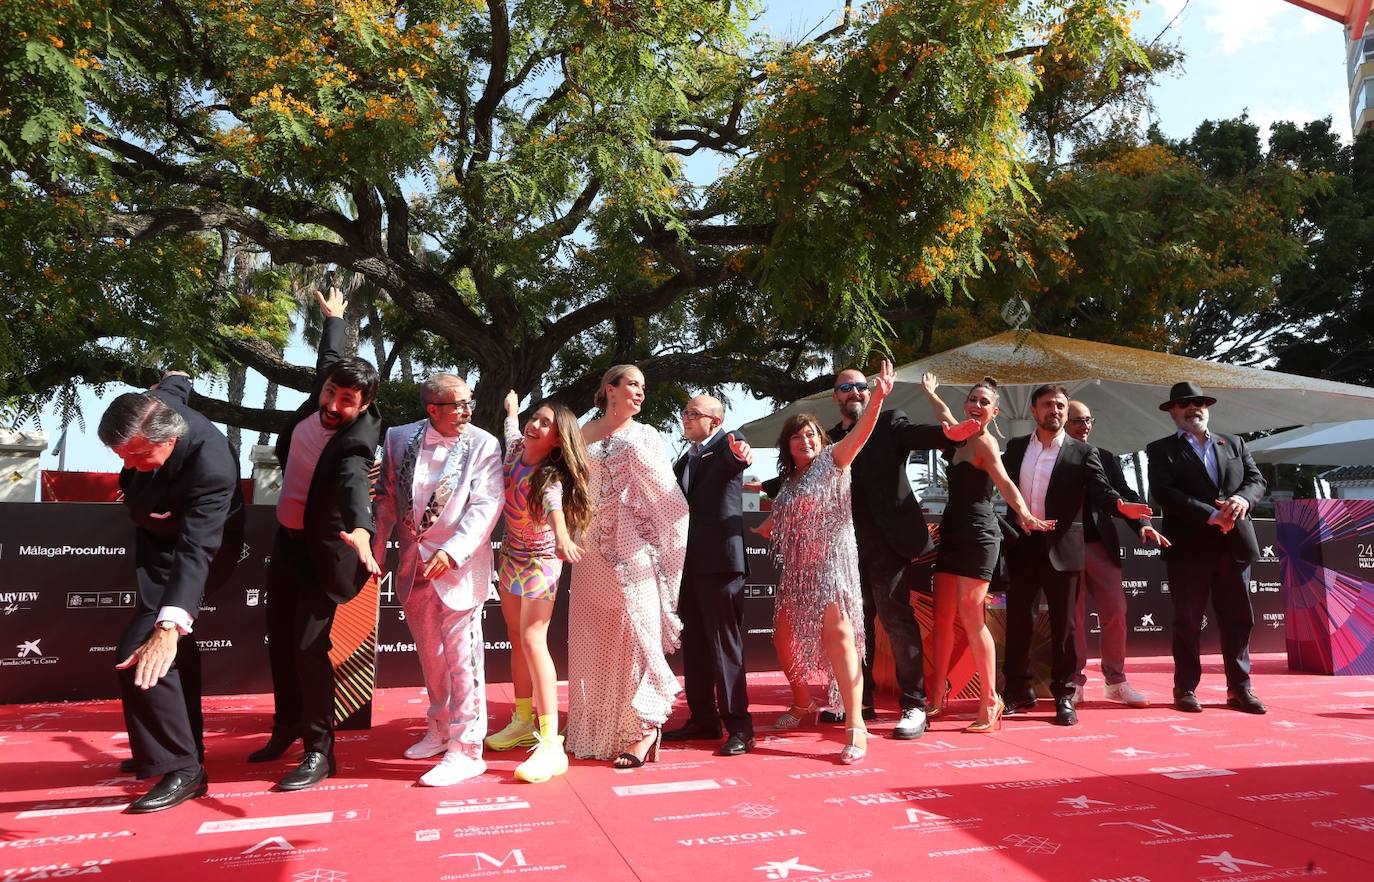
(1016, 706)
(736, 745)
(694, 732)
(1244, 700)
(1064, 714)
(273, 749)
(314, 768)
(174, 789)
(1186, 701)
(827, 716)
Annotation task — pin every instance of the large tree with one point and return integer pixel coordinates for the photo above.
(533, 190)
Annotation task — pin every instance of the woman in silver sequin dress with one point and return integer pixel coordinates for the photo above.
(818, 617)
(622, 605)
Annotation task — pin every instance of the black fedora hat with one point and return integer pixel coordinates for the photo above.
(1181, 391)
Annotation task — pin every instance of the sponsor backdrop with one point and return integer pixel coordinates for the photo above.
(67, 589)
(1327, 547)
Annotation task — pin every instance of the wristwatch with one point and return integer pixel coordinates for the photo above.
(167, 625)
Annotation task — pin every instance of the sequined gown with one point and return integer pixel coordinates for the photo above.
(813, 534)
(622, 606)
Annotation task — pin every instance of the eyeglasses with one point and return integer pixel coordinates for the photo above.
(1191, 402)
(846, 388)
(693, 414)
(464, 406)
(1081, 421)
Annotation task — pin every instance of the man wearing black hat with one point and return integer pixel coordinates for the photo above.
(1206, 483)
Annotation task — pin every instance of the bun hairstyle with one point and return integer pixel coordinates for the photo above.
(987, 383)
(612, 377)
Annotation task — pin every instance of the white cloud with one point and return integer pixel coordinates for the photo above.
(1243, 24)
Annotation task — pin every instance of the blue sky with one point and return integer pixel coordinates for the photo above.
(1265, 57)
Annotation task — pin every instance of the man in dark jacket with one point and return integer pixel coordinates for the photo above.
(322, 554)
(180, 484)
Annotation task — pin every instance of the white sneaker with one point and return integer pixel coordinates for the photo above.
(911, 725)
(432, 744)
(456, 766)
(1126, 694)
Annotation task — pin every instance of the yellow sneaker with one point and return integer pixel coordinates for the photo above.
(546, 760)
(518, 733)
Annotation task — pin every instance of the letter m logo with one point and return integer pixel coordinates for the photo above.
(481, 860)
(1158, 828)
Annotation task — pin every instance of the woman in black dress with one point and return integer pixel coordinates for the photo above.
(969, 543)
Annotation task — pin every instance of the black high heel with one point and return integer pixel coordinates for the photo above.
(627, 760)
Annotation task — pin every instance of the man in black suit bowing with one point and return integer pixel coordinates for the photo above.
(711, 604)
(180, 483)
(322, 554)
(1055, 473)
(1206, 482)
(890, 530)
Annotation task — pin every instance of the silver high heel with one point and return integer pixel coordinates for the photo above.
(794, 716)
(851, 753)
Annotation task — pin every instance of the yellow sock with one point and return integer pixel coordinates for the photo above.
(548, 726)
(524, 708)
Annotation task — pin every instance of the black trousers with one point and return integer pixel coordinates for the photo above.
(1032, 574)
(1192, 580)
(887, 597)
(299, 616)
(712, 610)
(165, 726)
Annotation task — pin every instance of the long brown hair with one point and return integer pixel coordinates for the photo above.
(569, 467)
(614, 374)
(794, 424)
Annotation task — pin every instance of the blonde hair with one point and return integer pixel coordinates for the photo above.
(612, 377)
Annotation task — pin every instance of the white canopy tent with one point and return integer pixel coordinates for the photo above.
(1123, 386)
(1329, 444)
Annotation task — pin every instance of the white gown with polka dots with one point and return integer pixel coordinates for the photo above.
(622, 605)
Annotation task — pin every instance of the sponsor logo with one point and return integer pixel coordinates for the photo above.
(1120, 879)
(1126, 754)
(28, 653)
(1031, 844)
(1347, 825)
(1083, 807)
(1032, 785)
(212, 645)
(1164, 586)
(430, 835)
(55, 871)
(760, 591)
(985, 763)
(1292, 796)
(754, 811)
(304, 819)
(678, 786)
(1228, 862)
(100, 600)
(1267, 554)
(481, 863)
(320, 876)
(72, 551)
(1147, 625)
(945, 747)
(244, 551)
(1146, 552)
(73, 806)
(1162, 832)
(1196, 770)
(14, 601)
(923, 821)
(517, 829)
(742, 838)
(889, 797)
(65, 839)
(1260, 587)
(252, 596)
(1075, 739)
(793, 868)
(272, 850)
(480, 804)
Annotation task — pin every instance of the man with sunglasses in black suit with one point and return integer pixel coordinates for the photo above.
(1207, 483)
(890, 529)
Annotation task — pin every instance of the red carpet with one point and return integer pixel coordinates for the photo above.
(1126, 795)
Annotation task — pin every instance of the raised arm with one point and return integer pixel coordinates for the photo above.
(849, 446)
(331, 347)
(929, 382)
(511, 424)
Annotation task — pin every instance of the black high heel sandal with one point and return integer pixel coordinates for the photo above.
(627, 760)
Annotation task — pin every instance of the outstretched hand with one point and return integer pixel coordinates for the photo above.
(1134, 510)
(961, 432)
(740, 448)
(764, 529)
(332, 306)
(930, 382)
(1150, 534)
(154, 658)
(884, 381)
(512, 403)
(361, 541)
(1032, 524)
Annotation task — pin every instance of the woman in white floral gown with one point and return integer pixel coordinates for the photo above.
(622, 606)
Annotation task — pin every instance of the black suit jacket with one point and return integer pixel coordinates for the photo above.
(1183, 489)
(883, 500)
(340, 490)
(715, 500)
(1077, 475)
(188, 513)
(1106, 519)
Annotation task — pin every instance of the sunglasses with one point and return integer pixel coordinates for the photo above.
(846, 388)
(1191, 402)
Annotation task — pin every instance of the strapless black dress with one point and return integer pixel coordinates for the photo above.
(969, 535)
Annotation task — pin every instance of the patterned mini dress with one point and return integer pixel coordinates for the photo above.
(529, 565)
